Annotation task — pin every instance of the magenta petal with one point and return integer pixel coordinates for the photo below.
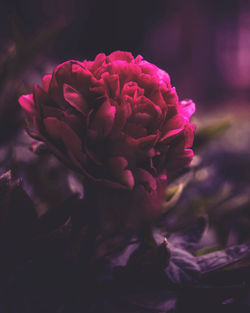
(144, 177)
(46, 82)
(120, 55)
(118, 165)
(113, 84)
(187, 108)
(144, 105)
(53, 127)
(123, 112)
(74, 98)
(135, 130)
(172, 127)
(189, 135)
(170, 135)
(104, 119)
(27, 103)
(148, 142)
(60, 132)
(99, 60)
(82, 77)
(172, 97)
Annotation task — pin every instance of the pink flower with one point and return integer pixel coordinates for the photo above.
(117, 120)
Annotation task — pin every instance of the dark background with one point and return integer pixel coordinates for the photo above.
(203, 45)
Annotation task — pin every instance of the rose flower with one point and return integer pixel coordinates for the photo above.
(118, 121)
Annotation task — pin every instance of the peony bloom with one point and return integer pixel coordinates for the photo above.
(117, 120)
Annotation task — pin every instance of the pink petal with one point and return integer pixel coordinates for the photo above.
(118, 169)
(132, 89)
(171, 97)
(141, 118)
(53, 127)
(46, 82)
(99, 60)
(148, 142)
(144, 177)
(27, 103)
(135, 130)
(126, 71)
(104, 119)
(170, 135)
(187, 108)
(120, 55)
(81, 77)
(172, 127)
(113, 84)
(189, 135)
(60, 132)
(123, 112)
(74, 98)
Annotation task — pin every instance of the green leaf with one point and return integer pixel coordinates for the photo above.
(218, 259)
(208, 250)
(211, 131)
(173, 195)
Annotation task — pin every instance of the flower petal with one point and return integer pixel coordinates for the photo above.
(144, 177)
(117, 166)
(187, 108)
(46, 82)
(27, 103)
(120, 55)
(104, 119)
(74, 98)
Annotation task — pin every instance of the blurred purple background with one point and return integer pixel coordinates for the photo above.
(204, 45)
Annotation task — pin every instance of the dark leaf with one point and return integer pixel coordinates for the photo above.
(154, 301)
(189, 237)
(208, 250)
(209, 299)
(57, 221)
(218, 259)
(211, 131)
(17, 219)
(124, 256)
(183, 267)
(149, 259)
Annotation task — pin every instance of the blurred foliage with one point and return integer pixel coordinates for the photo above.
(18, 58)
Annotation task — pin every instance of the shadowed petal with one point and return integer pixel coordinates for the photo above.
(74, 98)
(118, 169)
(144, 177)
(104, 119)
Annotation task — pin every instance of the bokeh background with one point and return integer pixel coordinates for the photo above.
(204, 45)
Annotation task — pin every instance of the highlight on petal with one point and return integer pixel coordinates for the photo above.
(173, 127)
(27, 103)
(187, 108)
